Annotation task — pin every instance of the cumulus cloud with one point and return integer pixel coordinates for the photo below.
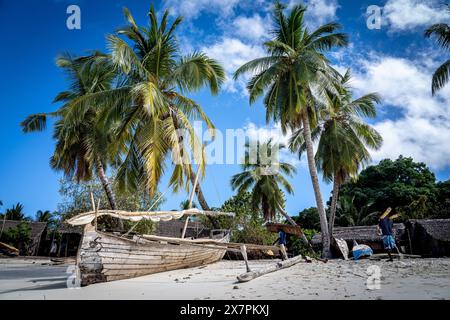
(319, 11)
(274, 132)
(233, 53)
(253, 28)
(418, 124)
(408, 14)
(193, 8)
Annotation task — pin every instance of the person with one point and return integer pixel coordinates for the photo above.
(385, 228)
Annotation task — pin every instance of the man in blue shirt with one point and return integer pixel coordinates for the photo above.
(385, 227)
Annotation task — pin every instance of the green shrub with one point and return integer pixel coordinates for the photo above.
(18, 237)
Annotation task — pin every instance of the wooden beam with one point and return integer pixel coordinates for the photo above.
(283, 252)
(234, 245)
(278, 266)
(244, 254)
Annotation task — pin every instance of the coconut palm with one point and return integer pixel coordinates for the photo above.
(15, 213)
(150, 108)
(264, 175)
(43, 216)
(81, 144)
(348, 215)
(442, 33)
(343, 137)
(292, 77)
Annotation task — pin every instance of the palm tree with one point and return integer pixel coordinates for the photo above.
(15, 213)
(292, 77)
(82, 145)
(442, 33)
(348, 215)
(43, 216)
(263, 174)
(150, 107)
(343, 138)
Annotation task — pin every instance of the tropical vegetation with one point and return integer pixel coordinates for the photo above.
(126, 119)
(343, 137)
(293, 76)
(263, 174)
(441, 32)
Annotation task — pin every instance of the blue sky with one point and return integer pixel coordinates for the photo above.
(395, 61)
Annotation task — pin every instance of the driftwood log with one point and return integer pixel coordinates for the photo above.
(9, 250)
(278, 266)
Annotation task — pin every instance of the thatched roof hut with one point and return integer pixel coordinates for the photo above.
(430, 237)
(37, 231)
(362, 235)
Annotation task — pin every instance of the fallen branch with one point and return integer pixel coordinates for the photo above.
(280, 265)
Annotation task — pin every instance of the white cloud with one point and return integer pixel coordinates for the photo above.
(252, 28)
(191, 9)
(408, 14)
(421, 125)
(274, 132)
(319, 11)
(233, 53)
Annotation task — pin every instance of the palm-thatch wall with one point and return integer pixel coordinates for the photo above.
(37, 233)
(363, 235)
(430, 237)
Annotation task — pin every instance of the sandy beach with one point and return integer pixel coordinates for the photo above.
(337, 279)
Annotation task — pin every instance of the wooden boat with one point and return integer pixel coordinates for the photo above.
(107, 257)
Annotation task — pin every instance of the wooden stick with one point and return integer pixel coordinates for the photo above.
(280, 265)
(283, 252)
(244, 254)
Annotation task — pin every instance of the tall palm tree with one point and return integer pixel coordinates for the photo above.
(343, 137)
(292, 77)
(15, 213)
(150, 107)
(81, 144)
(263, 174)
(43, 216)
(442, 33)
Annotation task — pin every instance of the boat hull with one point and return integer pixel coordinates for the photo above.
(104, 257)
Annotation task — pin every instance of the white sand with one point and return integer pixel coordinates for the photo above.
(337, 279)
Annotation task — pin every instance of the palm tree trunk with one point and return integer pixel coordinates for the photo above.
(334, 198)
(201, 199)
(108, 190)
(315, 183)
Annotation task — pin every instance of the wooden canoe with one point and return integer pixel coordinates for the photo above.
(106, 257)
